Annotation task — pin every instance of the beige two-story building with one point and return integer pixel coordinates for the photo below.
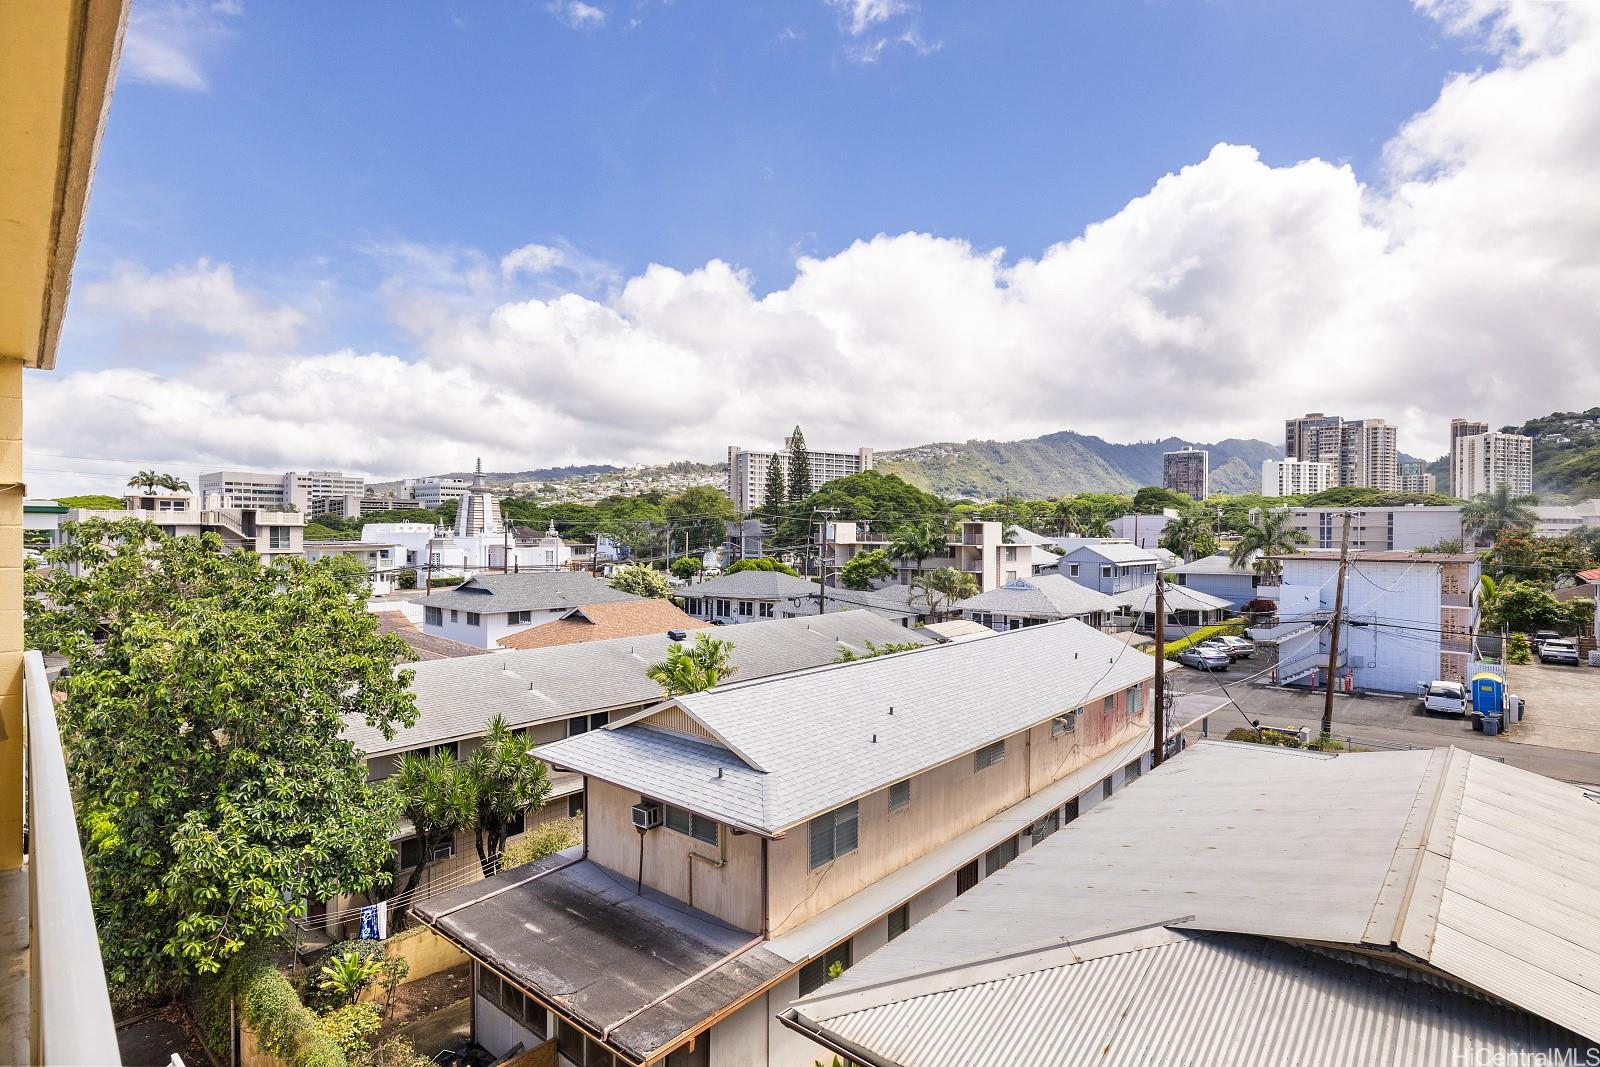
(743, 844)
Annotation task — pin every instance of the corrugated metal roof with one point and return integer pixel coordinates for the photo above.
(456, 697)
(817, 739)
(1225, 1000)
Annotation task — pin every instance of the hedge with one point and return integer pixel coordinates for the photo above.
(1234, 627)
(441, 583)
(268, 1004)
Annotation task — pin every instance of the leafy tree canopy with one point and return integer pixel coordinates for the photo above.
(1350, 496)
(762, 563)
(696, 668)
(640, 580)
(883, 500)
(1152, 499)
(203, 714)
(866, 569)
(685, 566)
(92, 501)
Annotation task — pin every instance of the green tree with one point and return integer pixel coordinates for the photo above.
(1095, 525)
(918, 542)
(346, 974)
(703, 664)
(92, 502)
(944, 586)
(1498, 510)
(1268, 534)
(1153, 499)
(799, 478)
(866, 569)
(874, 650)
(882, 501)
(504, 781)
(433, 792)
(774, 495)
(700, 515)
(146, 480)
(762, 563)
(685, 566)
(1526, 608)
(641, 580)
(173, 484)
(1189, 535)
(1489, 602)
(203, 711)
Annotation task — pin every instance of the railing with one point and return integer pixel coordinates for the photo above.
(70, 1008)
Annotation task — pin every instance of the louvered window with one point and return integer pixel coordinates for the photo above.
(833, 835)
(899, 795)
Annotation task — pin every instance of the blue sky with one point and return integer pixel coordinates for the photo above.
(358, 171)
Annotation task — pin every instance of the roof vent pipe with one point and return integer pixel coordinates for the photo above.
(719, 773)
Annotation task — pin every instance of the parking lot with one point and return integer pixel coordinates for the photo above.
(1563, 706)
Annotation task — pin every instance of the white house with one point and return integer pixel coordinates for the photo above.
(488, 607)
(382, 562)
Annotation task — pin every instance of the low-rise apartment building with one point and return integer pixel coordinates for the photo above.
(487, 608)
(979, 548)
(1393, 529)
(1558, 520)
(1409, 619)
(268, 532)
(382, 562)
(745, 844)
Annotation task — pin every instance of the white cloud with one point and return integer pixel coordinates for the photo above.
(203, 296)
(865, 14)
(578, 15)
(168, 41)
(1462, 281)
(530, 259)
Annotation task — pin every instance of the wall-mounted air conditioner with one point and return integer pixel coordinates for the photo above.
(647, 815)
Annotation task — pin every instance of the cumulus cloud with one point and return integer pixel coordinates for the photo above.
(168, 42)
(578, 15)
(530, 259)
(202, 296)
(1460, 280)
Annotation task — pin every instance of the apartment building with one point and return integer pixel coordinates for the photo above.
(313, 492)
(744, 844)
(267, 531)
(433, 492)
(1401, 528)
(1163, 930)
(562, 691)
(1460, 428)
(1486, 461)
(1295, 477)
(1187, 471)
(1142, 530)
(978, 548)
(1361, 452)
(1409, 618)
(747, 471)
(1414, 477)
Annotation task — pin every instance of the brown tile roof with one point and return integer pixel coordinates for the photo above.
(597, 622)
(426, 646)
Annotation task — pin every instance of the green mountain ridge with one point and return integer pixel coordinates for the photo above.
(1066, 462)
(1566, 453)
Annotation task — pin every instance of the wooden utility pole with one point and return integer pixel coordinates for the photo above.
(1333, 631)
(822, 566)
(1160, 720)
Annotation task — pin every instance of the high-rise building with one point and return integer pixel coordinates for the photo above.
(1294, 477)
(432, 492)
(1485, 461)
(1187, 471)
(322, 491)
(1460, 428)
(313, 492)
(747, 471)
(1414, 477)
(1362, 452)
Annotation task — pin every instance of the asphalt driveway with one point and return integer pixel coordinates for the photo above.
(1563, 706)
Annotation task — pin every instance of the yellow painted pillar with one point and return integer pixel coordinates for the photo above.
(11, 495)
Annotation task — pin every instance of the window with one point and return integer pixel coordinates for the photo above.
(1044, 827)
(983, 618)
(1065, 724)
(455, 616)
(724, 607)
(449, 748)
(1011, 576)
(687, 822)
(582, 724)
(1107, 570)
(766, 611)
(1132, 771)
(1105, 788)
(1011, 554)
(833, 834)
(1108, 706)
(989, 755)
(516, 824)
(899, 795)
(695, 1054)
(278, 537)
(815, 973)
(511, 1000)
(575, 805)
(899, 920)
(1069, 811)
(746, 608)
(1000, 855)
(411, 852)
(1136, 700)
(474, 619)
(1072, 570)
(519, 618)
(966, 877)
(433, 616)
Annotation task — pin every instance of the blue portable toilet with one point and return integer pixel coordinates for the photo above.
(1488, 692)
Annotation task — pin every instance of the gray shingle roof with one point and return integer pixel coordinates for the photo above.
(808, 739)
(750, 585)
(1125, 555)
(1178, 598)
(1050, 596)
(894, 599)
(526, 592)
(456, 697)
(1217, 564)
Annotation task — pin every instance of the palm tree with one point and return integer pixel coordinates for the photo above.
(432, 793)
(172, 483)
(1067, 516)
(146, 480)
(504, 780)
(1496, 510)
(1189, 535)
(944, 587)
(917, 542)
(1095, 525)
(1268, 534)
(695, 669)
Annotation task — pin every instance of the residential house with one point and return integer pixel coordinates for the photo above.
(565, 690)
(486, 608)
(1184, 609)
(1216, 576)
(744, 596)
(59, 64)
(743, 844)
(1109, 567)
(903, 604)
(1412, 907)
(382, 562)
(639, 617)
(41, 523)
(270, 533)
(1409, 618)
(1399, 529)
(1036, 600)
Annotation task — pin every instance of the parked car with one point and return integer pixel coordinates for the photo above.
(1541, 636)
(1216, 645)
(1444, 698)
(1204, 659)
(1241, 649)
(1562, 650)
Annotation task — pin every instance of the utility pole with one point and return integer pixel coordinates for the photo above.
(1160, 723)
(1333, 632)
(822, 566)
